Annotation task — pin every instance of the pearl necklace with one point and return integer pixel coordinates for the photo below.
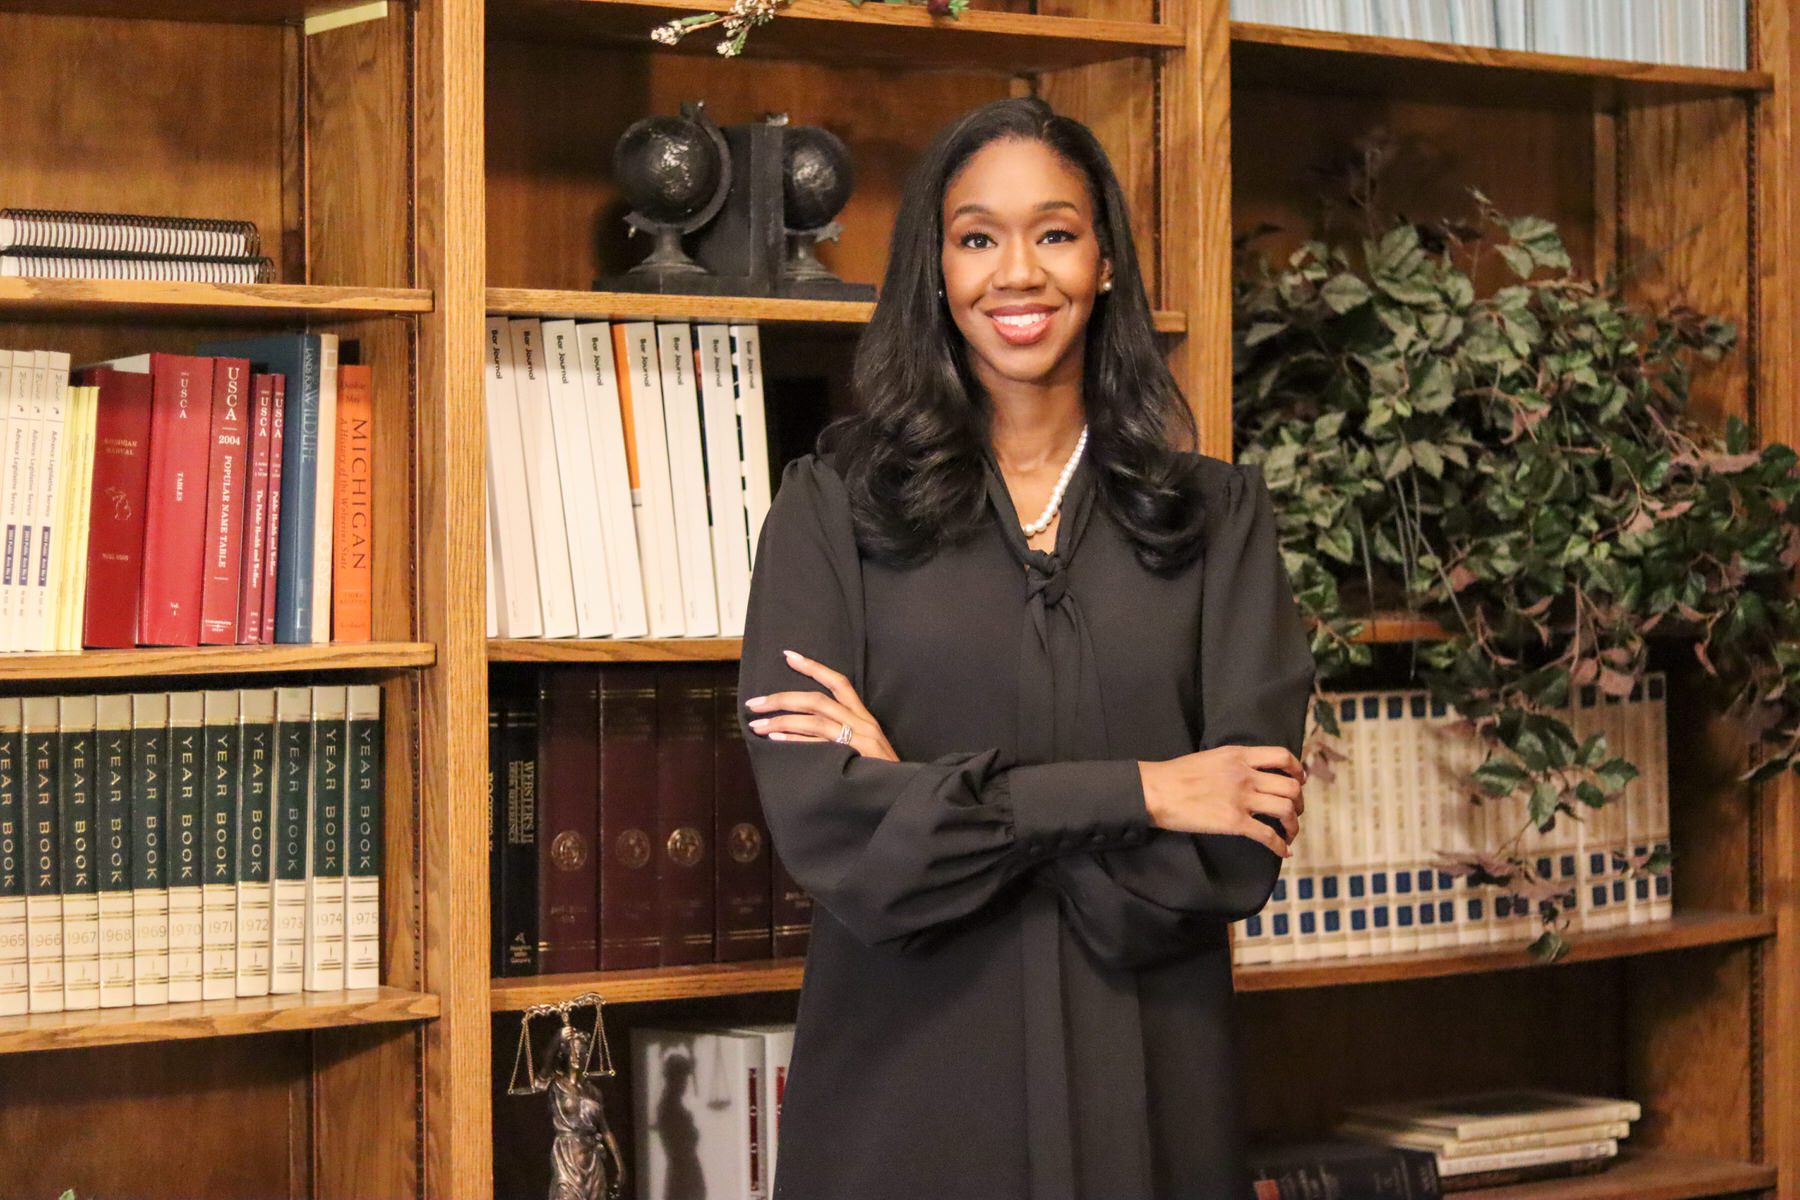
(1056, 494)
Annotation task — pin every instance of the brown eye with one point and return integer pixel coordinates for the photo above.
(967, 240)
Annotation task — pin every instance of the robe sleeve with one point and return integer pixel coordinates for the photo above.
(1137, 906)
(897, 852)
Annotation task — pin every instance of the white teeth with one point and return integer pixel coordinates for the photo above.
(1023, 320)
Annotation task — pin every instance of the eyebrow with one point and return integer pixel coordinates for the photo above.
(983, 210)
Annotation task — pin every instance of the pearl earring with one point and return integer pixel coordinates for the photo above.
(1107, 286)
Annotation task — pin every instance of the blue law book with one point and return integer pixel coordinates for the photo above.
(297, 356)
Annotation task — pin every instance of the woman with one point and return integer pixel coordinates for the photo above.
(1027, 772)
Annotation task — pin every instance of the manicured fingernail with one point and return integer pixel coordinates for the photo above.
(756, 702)
(777, 736)
(759, 722)
(793, 654)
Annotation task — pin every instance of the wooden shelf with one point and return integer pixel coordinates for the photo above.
(213, 1018)
(658, 983)
(729, 979)
(1311, 59)
(1644, 1175)
(873, 34)
(642, 306)
(136, 299)
(215, 660)
(1686, 931)
(569, 650)
(234, 12)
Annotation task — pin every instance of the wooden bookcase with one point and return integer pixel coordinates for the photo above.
(451, 159)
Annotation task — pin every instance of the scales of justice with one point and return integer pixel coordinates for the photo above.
(585, 1162)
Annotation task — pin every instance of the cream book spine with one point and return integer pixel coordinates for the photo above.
(509, 528)
(647, 464)
(50, 488)
(1377, 808)
(255, 820)
(487, 545)
(43, 889)
(543, 485)
(149, 848)
(112, 819)
(187, 733)
(15, 960)
(1352, 828)
(1637, 809)
(1324, 818)
(1450, 1168)
(746, 361)
(725, 477)
(325, 843)
(293, 784)
(75, 609)
(57, 544)
(218, 892)
(362, 851)
(687, 475)
(24, 424)
(606, 451)
(575, 470)
(1465, 823)
(1405, 825)
(1662, 886)
(1612, 818)
(324, 506)
(1431, 840)
(80, 868)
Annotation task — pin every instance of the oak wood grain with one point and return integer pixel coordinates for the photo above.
(154, 661)
(262, 303)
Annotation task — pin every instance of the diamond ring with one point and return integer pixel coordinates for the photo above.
(844, 735)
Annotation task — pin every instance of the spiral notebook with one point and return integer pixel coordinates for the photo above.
(125, 235)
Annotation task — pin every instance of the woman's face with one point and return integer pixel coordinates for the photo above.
(1021, 262)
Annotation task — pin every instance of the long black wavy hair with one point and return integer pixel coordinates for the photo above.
(911, 453)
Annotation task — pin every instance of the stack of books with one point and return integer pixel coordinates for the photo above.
(1695, 33)
(1492, 1139)
(175, 846)
(626, 830)
(57, 244)
(1366, 876)
(706, 1103)
(221, 498)
(628, 477)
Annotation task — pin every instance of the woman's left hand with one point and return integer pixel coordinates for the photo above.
(814, 717)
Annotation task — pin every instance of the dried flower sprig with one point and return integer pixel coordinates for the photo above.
(745, 15)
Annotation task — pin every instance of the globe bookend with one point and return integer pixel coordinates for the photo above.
(675, 172)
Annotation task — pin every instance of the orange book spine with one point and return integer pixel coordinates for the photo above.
(353, 516)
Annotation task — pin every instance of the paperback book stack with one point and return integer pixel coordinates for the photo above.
(707, 1109)
(1695, 33)
(219, 498)
(628, 477)
(55, 244)
(1492, 1139)
(626, 830)
(175, 846)
(1365, 877)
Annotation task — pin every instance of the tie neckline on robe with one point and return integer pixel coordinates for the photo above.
(1062, 717)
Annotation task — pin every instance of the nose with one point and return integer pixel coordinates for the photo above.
(1018, 268)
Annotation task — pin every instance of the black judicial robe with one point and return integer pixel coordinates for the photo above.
(1017, 986)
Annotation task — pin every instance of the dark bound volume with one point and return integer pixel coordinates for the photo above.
(568, 776)
(1350, 1170)
(630, 934)
(742, 870)
(496, 839)
(792, 915)
(518, 867)
(684, 812)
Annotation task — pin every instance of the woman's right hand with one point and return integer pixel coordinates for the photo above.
(1220, 790)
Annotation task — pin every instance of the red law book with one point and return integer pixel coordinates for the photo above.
(181, 388)
(115, 570)
(630, 935)
(568, 781)
(740, 838)
(256, 512)
(277, 416)
(227, 464)
(684, 812)
(352, 535)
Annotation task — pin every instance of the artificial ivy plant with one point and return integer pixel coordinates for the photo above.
(1515, 461)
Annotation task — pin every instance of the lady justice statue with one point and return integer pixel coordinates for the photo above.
(585, 1163)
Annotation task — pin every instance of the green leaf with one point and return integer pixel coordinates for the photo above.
(1343, 293)
(1262, 331)
(1519, 259)
(1426, 455)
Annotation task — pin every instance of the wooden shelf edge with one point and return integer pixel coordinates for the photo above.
(117, 299)
(213, 1018)
(646, 306)
(1686, 931)
(215, 660)
(1644, 1174)
(655, 983)
(568, 650)
(1705, 79)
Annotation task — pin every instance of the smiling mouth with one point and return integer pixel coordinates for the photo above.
(1022, 329)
